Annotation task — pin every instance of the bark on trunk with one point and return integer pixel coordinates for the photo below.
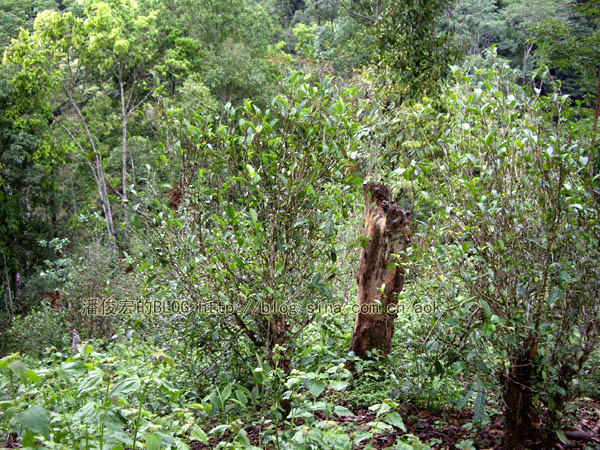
(97, 171)
(124, 116)
(73, 197)
(520, 416)
(526, 54)
(380, 279)
(7, 293)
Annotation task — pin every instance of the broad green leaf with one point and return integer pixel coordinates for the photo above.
(315, 386)
(4, 362)
(395, 419)
(125, 385)
(243, 438)
(219, 429)
(153, 441)
(253, 215)
(73, 368)
(36, 419)
(85, 350)
(379, 427)
(19, 369)
(168, 388)
(230, 211)
(343, 411)
(380, 408)
(90, 383)
(33, 376)
(226, 393)
(87, 414)
(338, 385)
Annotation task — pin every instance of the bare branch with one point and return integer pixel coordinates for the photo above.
(358, 15)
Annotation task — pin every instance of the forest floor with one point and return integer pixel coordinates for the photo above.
(445, 429)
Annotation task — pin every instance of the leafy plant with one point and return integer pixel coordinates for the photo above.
(517, 227)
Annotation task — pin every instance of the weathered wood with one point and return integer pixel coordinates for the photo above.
(380, 279)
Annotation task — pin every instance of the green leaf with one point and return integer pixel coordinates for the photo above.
(364, 242)
(125, 385)
(379, 427)
(153, 441)
(479, 407)
(486, 308)
(87, 414)
(90, 383)
(198, 434)
(73, 368)
(329, 228)
(19, 369)
(230, 211)
(380, 408)
(219, 429)
(464, 399)
(361, 436)
(4, 362)
(338, 385)
(243, 438)
(562, 437)
(395, 419)
(343, 411)
(315, 386)
(86, 350)
(169, 388)
(226, 393)
(36, 419)
(253, 215)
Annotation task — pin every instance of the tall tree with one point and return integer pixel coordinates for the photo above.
(236, 38)
(108, 55)
(574, 45)
(520, 18)
(413, 49)
(29, 157)
(118, 46)
(52, 49)
(476, 24)
(17, 14)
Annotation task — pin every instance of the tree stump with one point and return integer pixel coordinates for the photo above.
(380, 278)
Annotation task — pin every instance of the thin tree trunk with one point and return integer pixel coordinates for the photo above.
(98, 174)
(73, 198)
(8, 293)
(380, 279)
(98, 170)
(595, 129)
(124, 115)
(104, 197)
(526, 53)
(27, 202)
(133, 175)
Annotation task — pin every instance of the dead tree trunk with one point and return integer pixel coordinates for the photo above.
(380, 279)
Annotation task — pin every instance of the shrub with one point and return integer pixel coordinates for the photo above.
(516, 224)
